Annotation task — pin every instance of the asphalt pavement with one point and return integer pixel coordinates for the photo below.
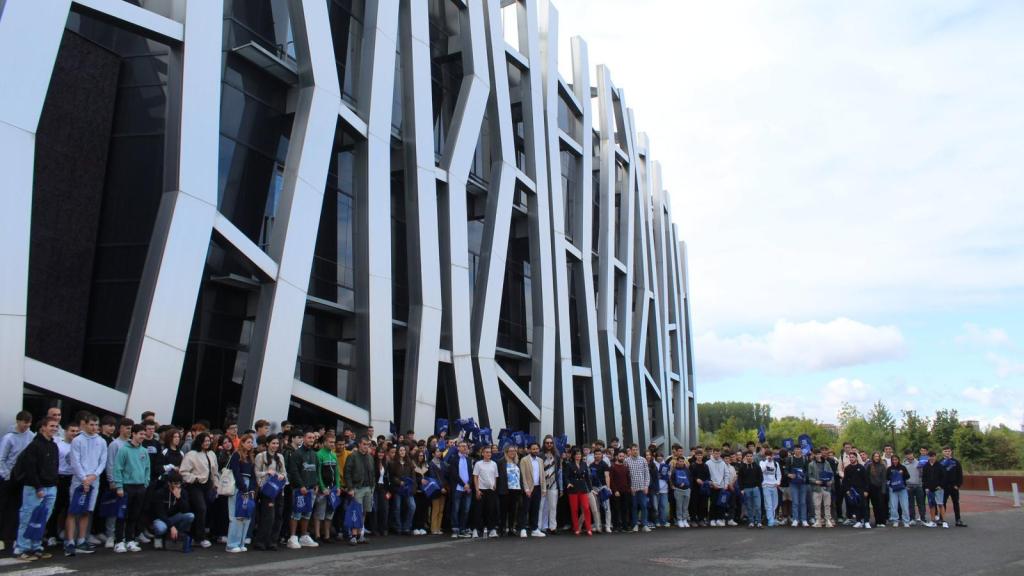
(990, 546)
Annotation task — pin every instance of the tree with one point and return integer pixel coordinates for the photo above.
(1001, 449)
(968, 443)
(793, 427)
(914, 431)
(732, 433)
(712, 415)
(847, 413)
(863, 435)
(880, 417)
(944, 426)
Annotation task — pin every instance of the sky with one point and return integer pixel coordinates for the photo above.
(849, 179)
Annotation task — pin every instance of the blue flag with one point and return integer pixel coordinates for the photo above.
(761, 434)
(788, 444)
(441, 425)
(805, 443)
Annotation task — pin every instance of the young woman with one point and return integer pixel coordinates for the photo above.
(403, 502)
(576, 479)
(855, 490)
(510, 492)
(435, 470)
(877, 478)
(485, 476)
(420, 518)
(381, 493)
(241, 465)
(270, 515)
(199, 473)
(898, 500)
(172, 455)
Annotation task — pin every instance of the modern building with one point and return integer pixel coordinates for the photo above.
(369, 211)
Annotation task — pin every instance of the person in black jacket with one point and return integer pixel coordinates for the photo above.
(36, 470)
(954, 478)
(855, 487)
(750, 476)
(933, 477)
(576, 479)
(700, 476)
(170, 509)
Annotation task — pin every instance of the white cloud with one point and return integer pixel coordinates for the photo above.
(1005, 367)
(912, 391)
(828, 159)
(974, 335)
(823, 403)
(981, 395)
(792, 348)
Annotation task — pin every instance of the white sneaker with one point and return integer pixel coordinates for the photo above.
(805, 524)
(679, 524)
(234, 550)
(796, 524)
(858, 525)
(51, 542)
(109, 544)
(492, 534)
(307, 542)
(867, 525)
(538, 534)
(158, 543)
(133, 546)
(95, 540)
(143, 539)
(686, 523)
(120, 548)
(293, 543)
(647, 528)
(732, 523)
(945, 524)
(522, 533)
(929, 524)
(907, 525)
(205, 544)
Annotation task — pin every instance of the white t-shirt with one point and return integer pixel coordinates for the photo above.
(486, 472)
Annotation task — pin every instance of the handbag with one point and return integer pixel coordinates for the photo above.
(333, 498)
(896, 481)
(303, 503)
(353, 516)
(37, 523)
(272, 487)
(432, 489)
(603, 494)
(113, 506)
(407, 487)
(245, 505)
(79, 503)
(226, 483)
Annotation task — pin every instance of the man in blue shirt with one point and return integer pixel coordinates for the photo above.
(460, 482)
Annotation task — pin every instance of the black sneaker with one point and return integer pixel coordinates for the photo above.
(960, 524)
(85, 548)
(69, 550)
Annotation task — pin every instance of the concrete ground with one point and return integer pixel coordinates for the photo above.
(990, 546)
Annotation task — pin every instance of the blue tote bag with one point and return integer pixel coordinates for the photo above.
(432, 489)
(353, 516)
(272, 487)
(37, 523)
(79, 503)
(245, 504)
(303, 504)
(113, 507)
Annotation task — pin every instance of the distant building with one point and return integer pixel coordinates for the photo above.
(971, 423)
(831, 428)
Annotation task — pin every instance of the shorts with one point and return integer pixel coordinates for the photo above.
(365, 497)
(322, 509)
(94, 490)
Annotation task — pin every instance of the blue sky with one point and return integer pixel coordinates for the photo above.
(849, 178)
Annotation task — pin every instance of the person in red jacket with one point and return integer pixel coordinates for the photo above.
(622, 499)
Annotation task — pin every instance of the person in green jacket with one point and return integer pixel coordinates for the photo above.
(304, 478)
(131, 477)
(329, 478)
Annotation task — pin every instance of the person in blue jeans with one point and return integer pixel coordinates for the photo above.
(796, 471)
(403, 504)
(639, 484)
(460, 483)
(241, 465)
(750, 478)
(171, 515)
(37, 470)
(661, 496)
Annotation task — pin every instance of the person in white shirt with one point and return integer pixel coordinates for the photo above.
(485, 473)
(772, 473)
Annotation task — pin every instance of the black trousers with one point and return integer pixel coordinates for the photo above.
(877, 503)
(489, 508)
(270, 519)
(10, 504)
(135, 497)
(954, 494)
(622, 511)
(197, 505)
(698, 505)
(530, 510)
(511, 513)
(60, 506)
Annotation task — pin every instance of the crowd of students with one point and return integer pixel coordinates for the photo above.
(124, 484)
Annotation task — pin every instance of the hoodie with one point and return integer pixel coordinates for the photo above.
(10, 447)
(131, 466)
(771, 472)
(717, 469)
(88, 456)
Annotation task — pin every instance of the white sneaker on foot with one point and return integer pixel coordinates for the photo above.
(731, 523)
(858, 525)
(538, 534)
(307, 542)
(235, 550)
(522, 533)
(679, 524)
(867, 525)
(120, 548)
(133, 546)
(945, 524)
(293, 543)
(205, 544)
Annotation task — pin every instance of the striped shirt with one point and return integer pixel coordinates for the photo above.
(639, 473)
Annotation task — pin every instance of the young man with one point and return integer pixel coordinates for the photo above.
(915, 491)
(123, 439)
(621, 498)
(954, 478)
(11, 446)
(329, 478)
(599, 480)
(750, 479)
(933, 477)
(304, 478)
(771, 476)
(796, 471)
(552, 469)
(531, 467)
(820, 474)
(131, 478)
(718, 469)
(36, 469)
(460, 481)
(171, 515)
(360, 477)
(680, 480)
(639, 487)
(88, 461)
(58, 516)
(485, 479)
